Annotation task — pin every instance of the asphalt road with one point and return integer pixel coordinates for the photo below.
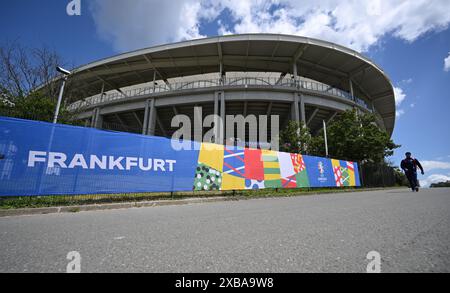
(324, 233)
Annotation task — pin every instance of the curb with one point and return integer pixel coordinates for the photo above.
(128, 205)
(104, 207)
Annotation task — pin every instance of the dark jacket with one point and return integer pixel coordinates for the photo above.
(410, 165)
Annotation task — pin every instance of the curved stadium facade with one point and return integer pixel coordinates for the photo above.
(297, 78)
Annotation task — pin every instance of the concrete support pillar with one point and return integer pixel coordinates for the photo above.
(151, 118)
(102, 93)
(216, 119)
(221, 98)
(97, 119)
(222, 75)
(295, 72)
(198, 124)
(94, 115)
(154, 81)
(351, 89)
(313, 115)
(295, 115)
(146, 111)
(302, 109)
(149, 126)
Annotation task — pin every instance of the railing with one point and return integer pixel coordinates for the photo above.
(228, 82)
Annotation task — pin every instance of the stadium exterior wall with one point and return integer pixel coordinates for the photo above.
(310, 81)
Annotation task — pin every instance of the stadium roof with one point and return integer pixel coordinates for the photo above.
(322, 61)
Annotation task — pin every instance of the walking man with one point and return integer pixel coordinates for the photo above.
(409, 166)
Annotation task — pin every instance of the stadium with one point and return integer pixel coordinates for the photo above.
(297, 78)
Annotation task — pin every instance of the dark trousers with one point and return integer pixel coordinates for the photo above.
(412, 178)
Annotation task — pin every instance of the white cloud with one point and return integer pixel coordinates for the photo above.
(407, 81)
(435, 165)
(399, 113)
(143, 23)
(435, 178)
(447, 63)
(356, 24)
(400, 96)
(223, 30)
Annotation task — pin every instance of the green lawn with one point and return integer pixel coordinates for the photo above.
(52, 201)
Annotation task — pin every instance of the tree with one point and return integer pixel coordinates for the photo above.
(295, 138)
(351, 136)
(317, 145)
(36, 106)
(440, 184)
(22, 71)
(400, 177)
(356, 137)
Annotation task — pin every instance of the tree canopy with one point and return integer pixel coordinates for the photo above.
(440, 184)
(35, 106)
(295, 138)
(351, 136)
(22, 70)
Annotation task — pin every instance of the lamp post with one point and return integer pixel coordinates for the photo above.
(66, 74)
(325, 137)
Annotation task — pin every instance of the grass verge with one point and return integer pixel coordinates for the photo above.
(77, 200)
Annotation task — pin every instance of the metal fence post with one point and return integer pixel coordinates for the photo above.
(361, 174)
(383, 175)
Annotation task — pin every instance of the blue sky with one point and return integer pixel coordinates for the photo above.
(410, 40)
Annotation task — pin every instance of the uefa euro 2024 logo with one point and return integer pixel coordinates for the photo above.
(321, 168)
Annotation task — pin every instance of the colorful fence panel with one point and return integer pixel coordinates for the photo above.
(44, 159)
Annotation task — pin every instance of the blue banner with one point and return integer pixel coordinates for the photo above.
(38, 158)
(46, 159)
